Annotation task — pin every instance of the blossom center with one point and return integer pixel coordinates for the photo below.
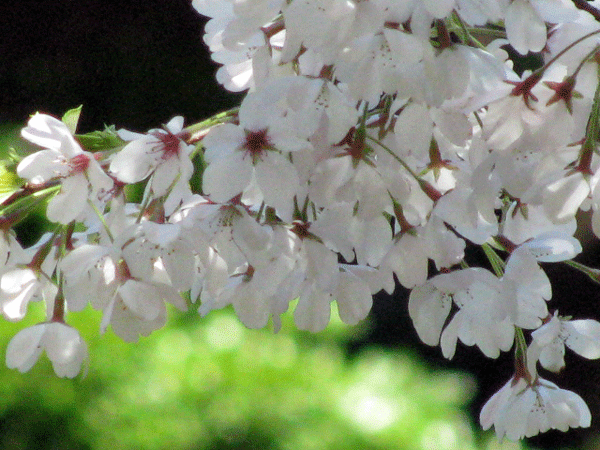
(169, 144)
(256, 143)
(79, 163)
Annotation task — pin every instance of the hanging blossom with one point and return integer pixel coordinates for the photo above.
(549, 341)
(64, 346)
(522, 409)
(378, 140)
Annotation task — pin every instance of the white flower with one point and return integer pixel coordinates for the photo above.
(325, 26)
(144, 243)
(138, 307)
(563, 197)
(428, 308)
(521, 409)
(132, 306)
(351, 235)
(22, 281)
(18, 287)
(469, 208)
(81, 176)
(353, 297)
(482, 318)
(255, 153)
(530, 227)
(548, 344)
(62, 343)
(161, 153)
(87, 271)
(554, 247)
(407, 260)
(525, 22)
(479, 12)
(525, 29)
(525, 289)
(9, 247)
(236, 38)
(564, 34)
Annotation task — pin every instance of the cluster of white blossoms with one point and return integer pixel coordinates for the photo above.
(377, 139)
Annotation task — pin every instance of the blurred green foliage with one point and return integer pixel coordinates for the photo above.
(10, 140)
(211, 383)
(10, 137)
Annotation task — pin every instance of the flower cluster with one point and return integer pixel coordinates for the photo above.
(378, 139)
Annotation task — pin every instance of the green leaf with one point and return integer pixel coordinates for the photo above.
(71, 118)
(100, 140)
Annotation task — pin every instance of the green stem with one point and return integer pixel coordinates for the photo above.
(464, 34)
(26, 202)
(197, 131)
(486, 32)
(396, 157)
(594, 274)
(427, 188)
(497, 263)
(15, 212)
(591, 134)
(102, 220)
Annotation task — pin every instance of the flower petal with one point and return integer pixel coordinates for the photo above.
(65, 348)
(24, 348)
(224, 178)
(584, 337)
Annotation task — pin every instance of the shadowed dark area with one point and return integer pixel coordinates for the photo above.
(135, 64)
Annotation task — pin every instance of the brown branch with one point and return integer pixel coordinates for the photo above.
(585, 6)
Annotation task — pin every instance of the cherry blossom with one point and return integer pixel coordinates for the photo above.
(162, 154)
(482, 318)
(521, 409)
(256, 152)
(18, 287)
(378, 142)
(80, 175)
(548, 344)
(26, 277)
(64, 346)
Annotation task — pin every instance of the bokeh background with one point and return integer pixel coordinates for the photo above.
(210, 383)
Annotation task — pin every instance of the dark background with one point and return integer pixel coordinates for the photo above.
(137, 64)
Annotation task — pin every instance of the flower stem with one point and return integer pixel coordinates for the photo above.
(197, 131)
(17, 210)
(466, 36)
(594, 274)
(591, 134)
(566, 49)
(497, 263)
(521, 369)
(427, 188)
(102, 220)
(58, 310)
